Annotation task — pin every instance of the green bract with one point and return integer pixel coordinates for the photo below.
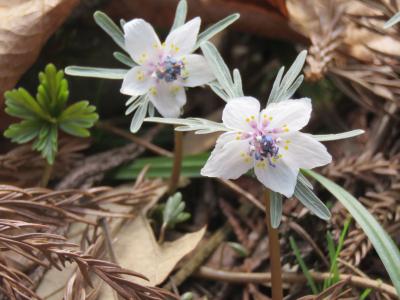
(44, 115)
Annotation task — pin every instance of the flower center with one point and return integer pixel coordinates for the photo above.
(265, 147)
(169, 69)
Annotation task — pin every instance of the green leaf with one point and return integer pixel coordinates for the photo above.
(215, 29)
(283, 89)
(311, 201)
(161, 167)
(105, 73)
(125, 59)
(180, 14)
(276, 209)
(385, 247)
(22, 105)
(79, 116)
(139, 115)
(239, 249)
(237, 82)
(187, 296)
(47, 143)
(198, 125)
(173, 212)
(110, 28)
(24, 131)
(392, 21)
(53, 90)
(43, 116)
(219, 68)
(303, 266)
(338, 136)
(334, 255)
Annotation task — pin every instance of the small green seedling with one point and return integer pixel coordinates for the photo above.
(239, 249)
(187, 296)
(43, 116)
(173, 214)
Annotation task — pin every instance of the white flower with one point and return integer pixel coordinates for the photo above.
(268, 141)
(164, 69)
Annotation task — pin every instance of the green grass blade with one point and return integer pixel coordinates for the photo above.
(303, 266)
(385, 247)
(161, 167)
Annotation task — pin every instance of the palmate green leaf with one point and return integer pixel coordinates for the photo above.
(24, 131)
(79, 116)
(53, 91)
(47, 142)
(385, 247)
(22, 105)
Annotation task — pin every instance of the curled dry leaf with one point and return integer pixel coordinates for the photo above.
(137, 249)
(25, 25)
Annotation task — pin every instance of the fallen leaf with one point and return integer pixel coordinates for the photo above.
(25, 26)
(136, 249)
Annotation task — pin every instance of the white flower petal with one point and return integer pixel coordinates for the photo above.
(136, 82)
(303, 151)
(241, 113)
(141, 41)
(281, 178)
(182, 40)
(295, 114)
(196, 71)
(168, 99)
(229, 159)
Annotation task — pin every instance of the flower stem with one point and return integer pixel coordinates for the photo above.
(274, 253)
(176, 169)
(48, 169)
(161, 237)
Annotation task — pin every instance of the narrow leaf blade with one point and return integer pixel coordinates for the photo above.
(385, 247)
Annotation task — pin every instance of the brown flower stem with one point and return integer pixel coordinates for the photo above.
(48, 169)
(274, 253)
(161, 238)
(177, 165)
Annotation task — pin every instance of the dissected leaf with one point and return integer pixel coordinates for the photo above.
(23, 132)
(173, 212)
(43, 116)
